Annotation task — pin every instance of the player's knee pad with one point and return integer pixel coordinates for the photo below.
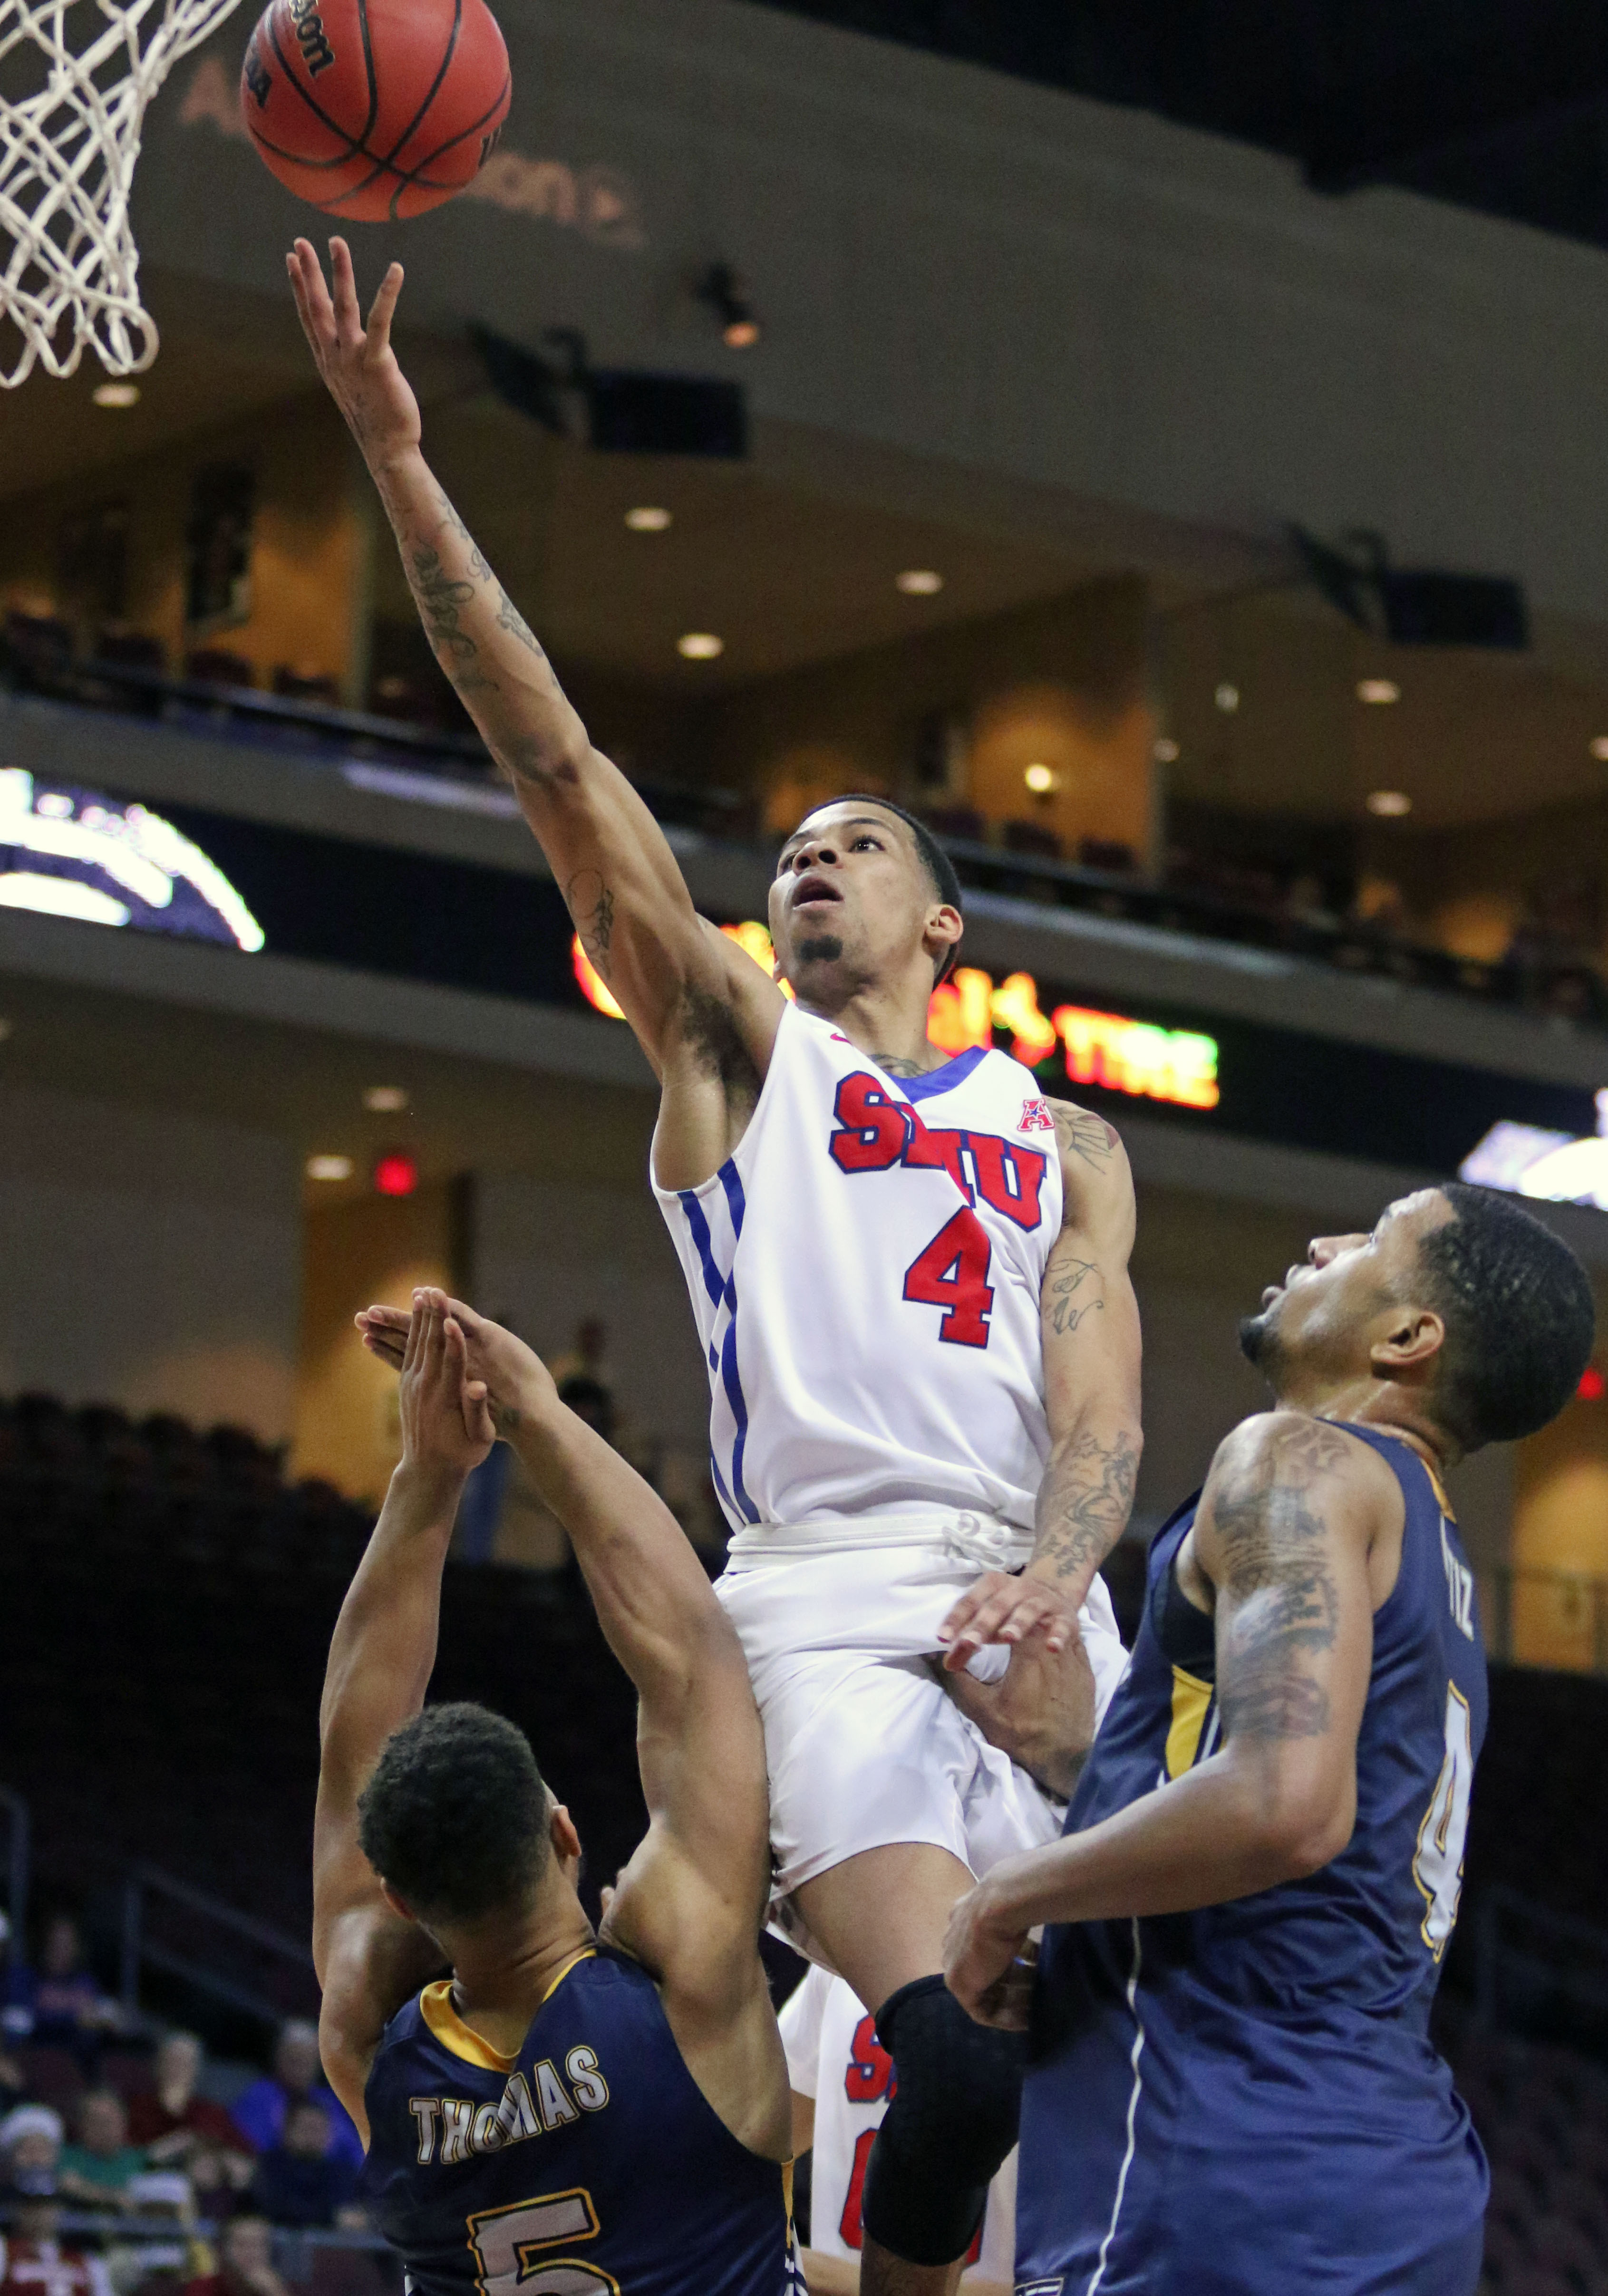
(952, 2121)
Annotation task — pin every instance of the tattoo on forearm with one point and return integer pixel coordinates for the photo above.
(1083, 1503)
(1069, 1295)
(592, 905)
(1273, 1536)
(510, 618)
(505, 1418)
(441, 601)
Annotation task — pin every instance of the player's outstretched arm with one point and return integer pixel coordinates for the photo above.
(368, 1959)
(691, 1902)
(1283, 1534)
(618, 876)
(1090, 1323)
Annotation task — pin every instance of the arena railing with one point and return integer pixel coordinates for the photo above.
(1173, 908)
(143, 1884)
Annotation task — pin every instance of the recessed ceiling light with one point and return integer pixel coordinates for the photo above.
(1166, 750)
(385, 1099)
(117, 394)
(700, 646)
(1040, 780)
(739, 334)
(1599, 748)
(1380, 690)
(1391, 803)
(919, 582)
(1227, 699)
(649, 518)
(329, 1167)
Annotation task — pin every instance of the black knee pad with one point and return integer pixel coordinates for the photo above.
(952, 2121)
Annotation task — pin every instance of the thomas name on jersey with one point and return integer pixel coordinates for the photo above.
(451, 2129)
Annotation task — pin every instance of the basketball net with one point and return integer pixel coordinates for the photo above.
(67, 155)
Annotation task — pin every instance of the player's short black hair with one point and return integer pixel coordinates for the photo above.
(1519, 1314)
(940, 870)
(454, 1816)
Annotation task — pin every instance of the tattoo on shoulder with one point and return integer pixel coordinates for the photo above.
(1272, 1530)
(592, 905)
(1082, 1134)
(1076, 1288)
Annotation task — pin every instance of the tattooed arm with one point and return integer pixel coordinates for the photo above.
(1090, 1321)
(702, 1011)
(1291, 1550)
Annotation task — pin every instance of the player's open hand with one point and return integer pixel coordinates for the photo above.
(354, 356)
(1040, 1712)
(446, 1424)
(1006, 1609)
(989, 1961)
(518, 1385)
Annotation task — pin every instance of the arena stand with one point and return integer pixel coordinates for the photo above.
(172, 1802)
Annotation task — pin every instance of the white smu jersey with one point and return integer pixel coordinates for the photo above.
(834, 2056)
(865, 1270)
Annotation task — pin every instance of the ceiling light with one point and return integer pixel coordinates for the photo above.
(117, 394)
(395, 1174)
(1227, 699)
(919, 582)
(385, 1099)
(700, 646)
(329, 1167)
(1599, 748)
(1040, 780)
(1381, 690)
(1390, 803)
(1166, 750)
(725, 294)
(648, 518)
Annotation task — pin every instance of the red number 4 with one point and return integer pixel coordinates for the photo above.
(953, 1274)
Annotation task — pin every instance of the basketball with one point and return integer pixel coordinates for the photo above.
(375, 109)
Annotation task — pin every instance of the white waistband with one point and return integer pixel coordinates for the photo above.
(977, 1539)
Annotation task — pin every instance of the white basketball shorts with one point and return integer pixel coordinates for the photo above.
(862, 1745)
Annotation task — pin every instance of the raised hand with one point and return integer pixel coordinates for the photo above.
(446, 1423)
(356, 359)
(516, 1383)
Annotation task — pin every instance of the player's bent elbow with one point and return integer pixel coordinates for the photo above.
(1308, 1835)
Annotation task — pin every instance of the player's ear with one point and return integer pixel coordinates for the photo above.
(942, 932)
(397, 1902)
(1410, 1344)
(565, 1841)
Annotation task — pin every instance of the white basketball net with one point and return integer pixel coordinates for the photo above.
(67, 145)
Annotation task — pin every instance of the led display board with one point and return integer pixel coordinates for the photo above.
(67, 852)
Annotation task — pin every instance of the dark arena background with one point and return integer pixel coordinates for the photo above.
(1165, 448)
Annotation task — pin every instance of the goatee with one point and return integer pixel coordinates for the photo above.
(826, 950)
(1260, 1345)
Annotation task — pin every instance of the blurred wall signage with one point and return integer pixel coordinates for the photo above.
(1526, 1160)
(599, 202)
(1105, 1049)
(70, 852)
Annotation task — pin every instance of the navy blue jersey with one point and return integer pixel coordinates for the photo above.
(1246, 2098)
(590, 2162)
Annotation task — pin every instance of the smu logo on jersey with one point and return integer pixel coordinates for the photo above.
(875, 1133)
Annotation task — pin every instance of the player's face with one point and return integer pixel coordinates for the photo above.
(1325, 1316)
(851, 898)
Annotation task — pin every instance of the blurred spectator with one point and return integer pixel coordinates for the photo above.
(94, 2173)
(68, 2008)
(300, 2182)
(182, 2130)
(34, 2263)
(166, 2253)
(245, 2262)
(586, 1356)
(30, 2147)
(259, 2111)
(589, 1399)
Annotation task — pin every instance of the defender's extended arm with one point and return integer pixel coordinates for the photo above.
(368, 1959)
(690, 1903)
(1283, 1534)
(1090, 1323)
(618, 876)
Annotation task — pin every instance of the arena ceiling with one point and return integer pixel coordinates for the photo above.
(1500, 105)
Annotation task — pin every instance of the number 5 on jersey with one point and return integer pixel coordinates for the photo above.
(507, 2245)
(953, 1274)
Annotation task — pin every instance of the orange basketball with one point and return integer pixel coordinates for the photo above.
(375, 109)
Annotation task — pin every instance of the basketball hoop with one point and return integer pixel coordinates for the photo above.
(67, 155)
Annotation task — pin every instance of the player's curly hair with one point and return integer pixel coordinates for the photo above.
(454, 1818)
(1519, 1314)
